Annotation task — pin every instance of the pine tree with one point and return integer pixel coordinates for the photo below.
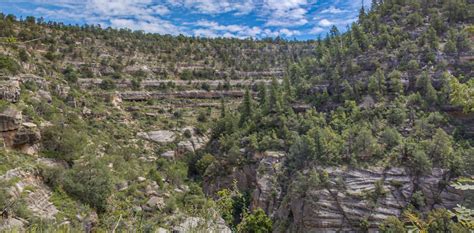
(396, 85)
(274, 102)
(348, 93)
(262, 96)
(382, 85)
(246, 108)
(426, 89)
(223, 109)
(289, 92)
(373, 86)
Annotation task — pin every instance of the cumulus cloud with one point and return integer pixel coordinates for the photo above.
(209, 18)
(316, 30)
(214, 29)
(333, 10)
(325, 23)
(286, 13)
(240, 7)
(152, 26)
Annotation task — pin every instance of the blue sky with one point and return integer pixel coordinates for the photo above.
(300, 19)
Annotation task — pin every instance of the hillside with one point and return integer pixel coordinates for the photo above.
(115, 130)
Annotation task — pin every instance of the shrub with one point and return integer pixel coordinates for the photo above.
(392, 225)
(89, 182)
(8, 65)
(257, 222)
(107, 84)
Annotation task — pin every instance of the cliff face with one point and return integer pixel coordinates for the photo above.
(349, 197)
(353, 200)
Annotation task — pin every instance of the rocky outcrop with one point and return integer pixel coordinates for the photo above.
(26, 139)
(351, 196)
(10, 90)
(159, 136)
(347, 198)
(245, 176)
(17, 135)
(33, 191)
(197, 224)
(40, 82)
(267, 192)
(196, 94)
(189, 140)
(192, 141)
(10, 120)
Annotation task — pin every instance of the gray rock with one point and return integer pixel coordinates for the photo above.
(10, 90)
(196, 224)
(156, 202)
(45, 96)
(168, 155)
(342, 204)
(161, 230)
(26, 136)
(338, 207)
(10, 120)
(160, 136)
(12, 225)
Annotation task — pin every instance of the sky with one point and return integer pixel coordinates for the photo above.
(290, 19)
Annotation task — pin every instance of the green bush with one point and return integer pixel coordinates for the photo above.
(90, 182)
(8, 65)
(255, 222)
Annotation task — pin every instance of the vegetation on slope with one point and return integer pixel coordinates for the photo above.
(396, 90)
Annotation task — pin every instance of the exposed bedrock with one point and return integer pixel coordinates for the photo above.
(348, 198)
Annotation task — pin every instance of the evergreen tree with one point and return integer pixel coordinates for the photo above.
(396, 85)
(223, 108)
(274, 100)
(246, 108)
(426, 89)
(289, 92)
(381, 82)
(262, 96)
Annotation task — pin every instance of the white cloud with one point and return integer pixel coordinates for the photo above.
(125, 7)
(333, 10)
(248, 18)
(233, 30)
(153, 26)
(316, 30)
(205, 33)
(325, 23)
(285, 13)
(289, 33)
(240, 7)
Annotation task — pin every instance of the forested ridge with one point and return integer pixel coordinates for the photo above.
(116, 130)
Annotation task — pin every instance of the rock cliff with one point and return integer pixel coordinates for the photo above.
(349, 197)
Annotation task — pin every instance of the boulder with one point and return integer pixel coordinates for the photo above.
(26, 135)
(156, 203)
(161, 230)
(160, 136)
(62, 90)
(193, 143)
(10, 90)
(197, 224)
(168, 155)
(45, 96)
(12, 225)
(10, 120)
